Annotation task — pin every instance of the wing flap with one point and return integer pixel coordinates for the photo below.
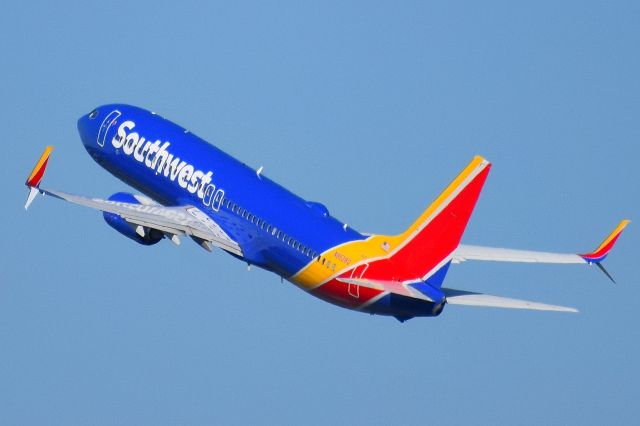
(468, 298)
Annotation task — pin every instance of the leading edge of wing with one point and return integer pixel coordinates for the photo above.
(469, 298)
(470, 252)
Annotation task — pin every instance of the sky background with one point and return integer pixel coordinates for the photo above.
(371, 108)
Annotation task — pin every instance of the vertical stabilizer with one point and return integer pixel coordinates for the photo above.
(426, 247)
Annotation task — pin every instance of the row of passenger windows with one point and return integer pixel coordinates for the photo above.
(287, 239)
(260, 223)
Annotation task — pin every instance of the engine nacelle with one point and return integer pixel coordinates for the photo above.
(151, 236)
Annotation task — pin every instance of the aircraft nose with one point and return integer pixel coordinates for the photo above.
(87, 126)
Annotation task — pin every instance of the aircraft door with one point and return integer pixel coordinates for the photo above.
(108, 121)
(356, 273)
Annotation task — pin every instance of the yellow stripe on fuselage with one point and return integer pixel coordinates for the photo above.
(352, 253)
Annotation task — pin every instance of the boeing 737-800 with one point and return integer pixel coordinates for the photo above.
(191, 188)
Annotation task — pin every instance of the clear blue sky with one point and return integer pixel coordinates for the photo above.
(371, 108)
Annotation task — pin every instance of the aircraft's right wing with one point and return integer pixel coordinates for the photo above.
(469, 252)
(468, 298)
(172, 221)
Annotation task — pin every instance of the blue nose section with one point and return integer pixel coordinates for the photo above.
(87, 128)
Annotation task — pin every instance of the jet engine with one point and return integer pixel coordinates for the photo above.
(140, 234)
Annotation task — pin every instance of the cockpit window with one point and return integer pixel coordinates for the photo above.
(93, 114)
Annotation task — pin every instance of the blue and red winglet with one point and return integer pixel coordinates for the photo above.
(34, 179)
(599, 254)
(603, 249)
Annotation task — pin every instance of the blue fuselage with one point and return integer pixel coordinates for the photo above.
(276, 229)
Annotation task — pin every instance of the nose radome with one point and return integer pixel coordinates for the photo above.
(88, 126)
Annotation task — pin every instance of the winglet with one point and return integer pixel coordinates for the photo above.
(33, 181)
(605, 247)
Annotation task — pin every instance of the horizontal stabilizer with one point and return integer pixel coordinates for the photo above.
(461, 297)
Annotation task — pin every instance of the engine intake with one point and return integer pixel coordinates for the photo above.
(150, 237)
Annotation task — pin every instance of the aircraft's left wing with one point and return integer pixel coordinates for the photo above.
(470, 252)
(171, 221)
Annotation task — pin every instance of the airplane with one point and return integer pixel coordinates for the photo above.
(191, 188)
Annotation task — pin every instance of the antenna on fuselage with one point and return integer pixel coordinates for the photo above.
(259, 171)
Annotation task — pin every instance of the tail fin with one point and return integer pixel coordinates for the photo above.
(426, 247)
(34, 179)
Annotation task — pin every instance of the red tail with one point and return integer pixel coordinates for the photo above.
(428, 244)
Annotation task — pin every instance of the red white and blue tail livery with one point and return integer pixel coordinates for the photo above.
(190, 188)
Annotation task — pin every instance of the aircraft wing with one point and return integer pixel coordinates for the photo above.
(171, 221)
(468, 298)
(469, 252)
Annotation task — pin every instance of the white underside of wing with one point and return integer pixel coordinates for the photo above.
(469, 252)
(460, 297)
(178, 220)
